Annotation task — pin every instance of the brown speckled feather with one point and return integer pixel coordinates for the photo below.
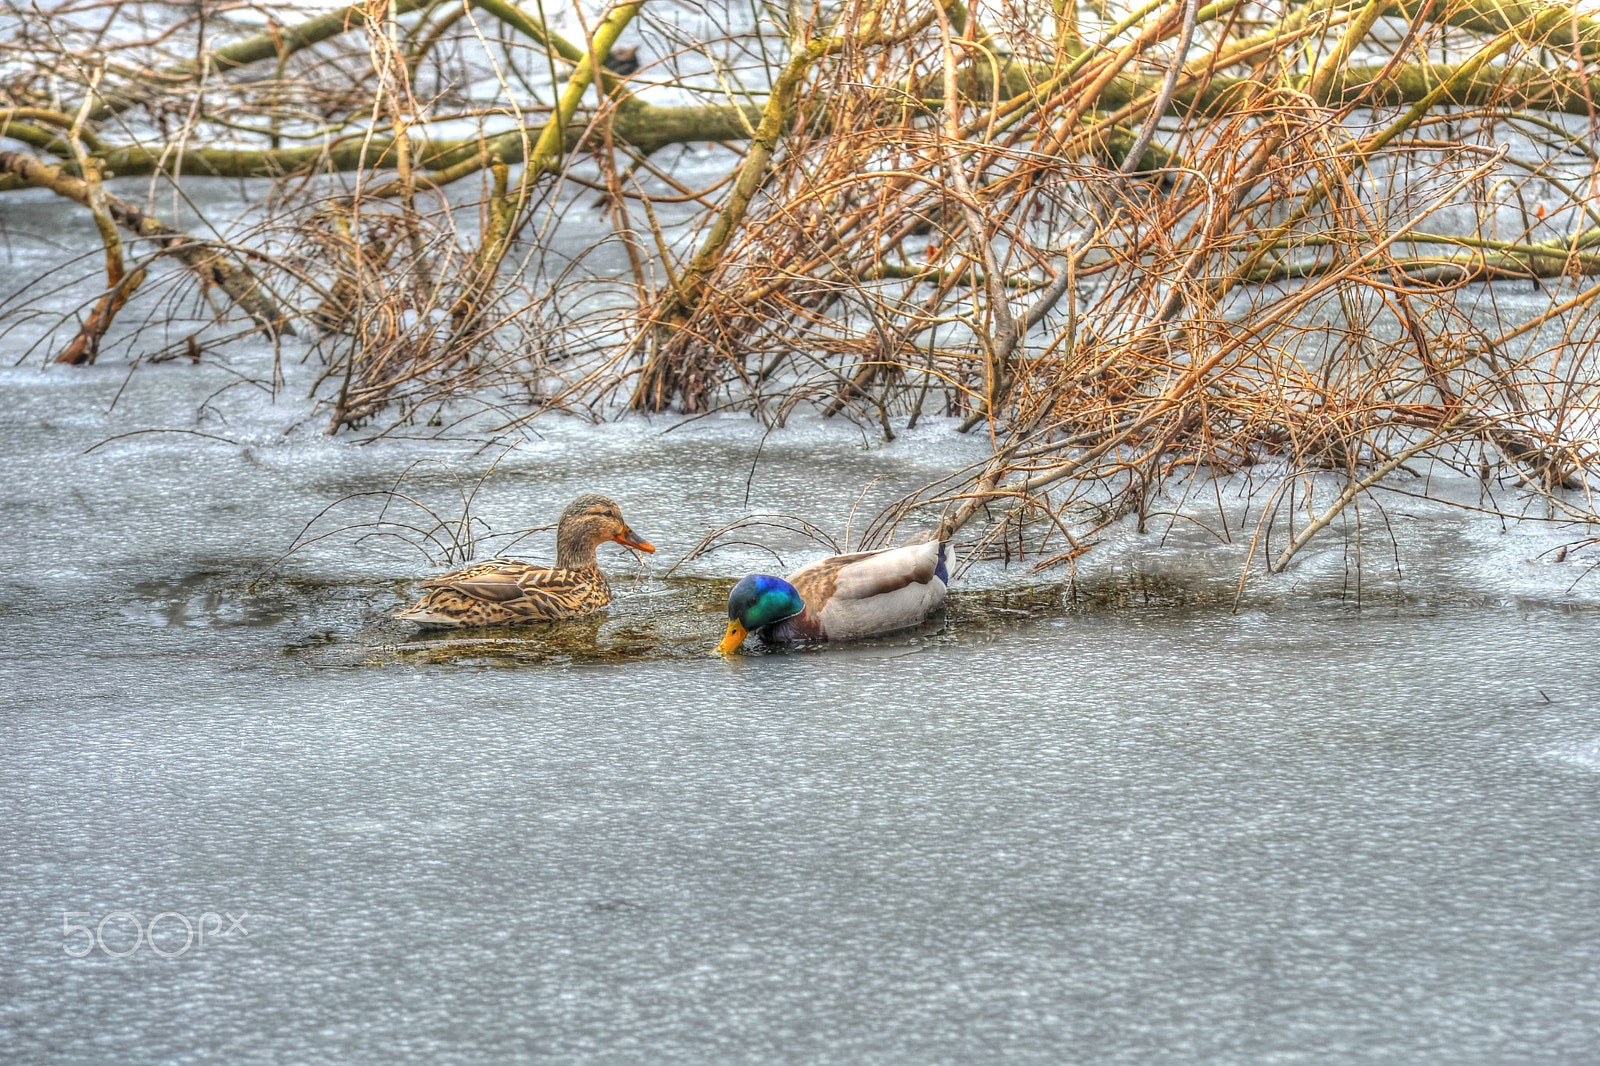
(498, 592)
(507, 592)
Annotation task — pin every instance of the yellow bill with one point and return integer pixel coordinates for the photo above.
(734, 638)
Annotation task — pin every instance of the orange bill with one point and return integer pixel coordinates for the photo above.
(625, 538)
(734, 638)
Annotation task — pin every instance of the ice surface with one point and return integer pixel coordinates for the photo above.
(1100, 816)
(1137, 829)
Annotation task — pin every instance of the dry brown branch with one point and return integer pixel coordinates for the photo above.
(1135, 245)
(242, 286)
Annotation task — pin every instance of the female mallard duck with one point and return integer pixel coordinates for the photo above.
(843, 597)
(506, 592)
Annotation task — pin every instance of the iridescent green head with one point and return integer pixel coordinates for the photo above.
(757, 601)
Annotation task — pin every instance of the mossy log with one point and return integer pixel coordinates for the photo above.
(649, 128)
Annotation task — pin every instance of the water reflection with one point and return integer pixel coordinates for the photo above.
(206, 598)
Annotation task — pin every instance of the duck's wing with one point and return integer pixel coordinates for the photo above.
(504, 592)
(495, 580)
(880, 573)
(866, 593)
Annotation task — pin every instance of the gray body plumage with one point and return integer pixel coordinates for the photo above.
(849, 597)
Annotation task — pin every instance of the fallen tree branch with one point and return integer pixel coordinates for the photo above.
(1356, 488)
(242, 286)
(282, 42)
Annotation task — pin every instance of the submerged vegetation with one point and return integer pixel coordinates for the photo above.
(1130, 243)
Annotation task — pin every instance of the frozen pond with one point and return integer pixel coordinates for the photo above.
(1349, 814)
(1137, 829)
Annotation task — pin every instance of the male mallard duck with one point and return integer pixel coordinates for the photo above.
(505, 591)
(842, 597)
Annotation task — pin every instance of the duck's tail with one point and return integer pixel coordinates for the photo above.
(424, 615)
(927, 536)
